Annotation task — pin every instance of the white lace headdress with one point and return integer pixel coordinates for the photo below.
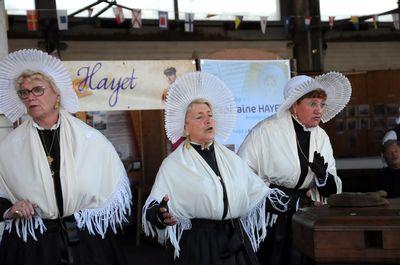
(14, 64)
(336, 86)
(195, 85)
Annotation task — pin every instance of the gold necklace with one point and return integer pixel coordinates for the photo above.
(50, 159)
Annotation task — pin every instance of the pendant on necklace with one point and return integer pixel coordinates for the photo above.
(52, 173)
(49, 160)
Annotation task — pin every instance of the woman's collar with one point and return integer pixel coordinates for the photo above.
(302, 125)
(205, 146)
(54, 127)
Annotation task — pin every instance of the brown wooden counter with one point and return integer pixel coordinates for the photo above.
(349, 235)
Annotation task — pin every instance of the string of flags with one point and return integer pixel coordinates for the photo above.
(32, 17)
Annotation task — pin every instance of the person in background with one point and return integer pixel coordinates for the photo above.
(289, 151)
(63, 189)
(390, 177)
(218, 210)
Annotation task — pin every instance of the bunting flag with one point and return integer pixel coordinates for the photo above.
(263, 24)
(238, 20)
(62, 19)
(32, 19)
(307, 21)
(210, 15)
(119, 14)
(286, 23)
(7, 23)
(331, 21)
(375, 21)
(396, 21)
(163, 19)
(136, 18)
(189, 17)
(355, 21)
(90, 11)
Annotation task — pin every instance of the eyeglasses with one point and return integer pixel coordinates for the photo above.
(37, 91)
(314, 104)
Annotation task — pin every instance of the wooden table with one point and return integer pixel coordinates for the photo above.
(349, 235)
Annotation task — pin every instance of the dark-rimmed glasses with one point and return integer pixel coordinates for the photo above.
(37, 91)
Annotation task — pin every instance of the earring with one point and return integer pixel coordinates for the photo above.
(187, 141)
(57, 105)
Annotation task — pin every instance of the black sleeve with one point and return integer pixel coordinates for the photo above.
(153, 217)
(329, 187)
(4, 206)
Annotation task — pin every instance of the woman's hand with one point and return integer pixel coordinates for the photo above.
(21, 209)
(163, 213)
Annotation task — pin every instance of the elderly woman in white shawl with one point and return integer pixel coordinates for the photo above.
(216, 211)
(63, 188)
(291, 152)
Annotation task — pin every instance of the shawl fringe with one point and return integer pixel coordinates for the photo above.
(112, 213)
(25, 227)
(256, 222)
(95, 220)
(171, 233)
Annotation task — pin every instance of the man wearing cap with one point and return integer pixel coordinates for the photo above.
(291, 152)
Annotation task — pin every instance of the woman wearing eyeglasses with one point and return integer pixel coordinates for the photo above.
(291, 152)
(63, 188)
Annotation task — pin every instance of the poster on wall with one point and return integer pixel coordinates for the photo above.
(257, 87)
(125, 85)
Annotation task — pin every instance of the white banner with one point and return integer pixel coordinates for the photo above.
(124, 85)
(257, 87)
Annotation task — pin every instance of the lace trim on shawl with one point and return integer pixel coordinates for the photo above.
(256, 222)
(171, 233)
(95, 220)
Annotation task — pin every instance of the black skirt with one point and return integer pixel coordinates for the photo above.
(52, 248)
(215, 243)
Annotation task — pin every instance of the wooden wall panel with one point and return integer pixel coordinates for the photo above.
(357, 56)
(80, 50)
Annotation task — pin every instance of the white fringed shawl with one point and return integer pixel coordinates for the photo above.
(93, 179)
(195, 192)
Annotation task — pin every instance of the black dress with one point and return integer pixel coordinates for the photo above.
(54, 247)
(211, 242)
(277, 248)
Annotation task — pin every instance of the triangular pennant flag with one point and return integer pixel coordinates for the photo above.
(307, 21)
(7, 23)
(163, 19)
(32, 19)
(136, 18)
(263, 24)
(238, 20)
(189, 17)
(375, 21)
(90, 11)
(210, 15)
(355, 21)
(396, 21)
(286, 23)
(119, 14)
(62, 19)
(331, 21)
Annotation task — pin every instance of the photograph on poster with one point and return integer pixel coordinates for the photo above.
(339, 126)
(363, 110)
(379, 123)
(392, 109)
(379, 109)
(351, 124)
(364, 123)
(391, 122)
(350, 111)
